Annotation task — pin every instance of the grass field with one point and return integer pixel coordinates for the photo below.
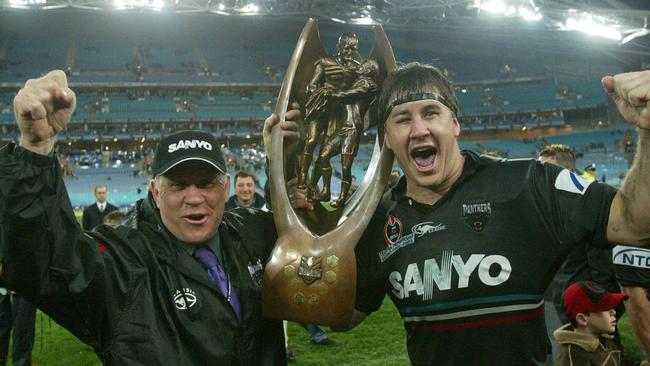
(378, 341)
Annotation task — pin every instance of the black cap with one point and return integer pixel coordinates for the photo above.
(591, 166)
(181, 146)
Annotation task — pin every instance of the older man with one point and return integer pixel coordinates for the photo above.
(466, 245)
(177, 284)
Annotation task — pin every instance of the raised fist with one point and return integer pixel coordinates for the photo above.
(43, 108)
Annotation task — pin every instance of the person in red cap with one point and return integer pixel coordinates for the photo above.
(587, 340)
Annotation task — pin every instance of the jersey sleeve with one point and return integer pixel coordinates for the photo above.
(370, 285)
(632, 266)
(573, 208)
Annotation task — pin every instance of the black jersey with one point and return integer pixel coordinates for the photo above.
(632, 266)
(468, 274)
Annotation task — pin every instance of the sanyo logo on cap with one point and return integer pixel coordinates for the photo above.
(189, 144)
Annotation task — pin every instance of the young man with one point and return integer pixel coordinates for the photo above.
(587, 340)
(245, 195)
(177, 284)
(94, 214)
(465, 246)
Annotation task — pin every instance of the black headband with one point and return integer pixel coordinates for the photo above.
(412, 97)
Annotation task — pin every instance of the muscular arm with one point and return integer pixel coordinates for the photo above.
(638, 312)
(629, 218)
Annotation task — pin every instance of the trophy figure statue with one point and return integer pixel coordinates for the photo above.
(339, 94)
(311, 275)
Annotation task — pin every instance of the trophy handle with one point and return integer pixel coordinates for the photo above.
(311, 278)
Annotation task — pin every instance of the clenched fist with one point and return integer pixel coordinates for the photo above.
(43, 108)
(631, 93)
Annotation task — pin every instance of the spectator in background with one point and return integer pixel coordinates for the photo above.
(18, 314)
(245, 193)
(559, 154)
(584, 262)
(115, 218)
(587, 340)
(589, 172)
(94, 214)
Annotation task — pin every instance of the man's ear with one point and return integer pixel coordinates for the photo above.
(581, 319)
(155, 192)
(456, 127)
(227, 185)
(386, 142)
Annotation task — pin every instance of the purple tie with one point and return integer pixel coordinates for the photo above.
(215, 271)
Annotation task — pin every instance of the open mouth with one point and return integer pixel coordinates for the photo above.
(196, 219)
(424, 157)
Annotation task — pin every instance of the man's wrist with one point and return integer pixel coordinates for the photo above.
(41, 148)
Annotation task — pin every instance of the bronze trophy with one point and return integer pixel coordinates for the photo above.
(311, 276)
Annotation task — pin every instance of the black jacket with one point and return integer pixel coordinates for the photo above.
(93, 217)
(233, 203)
(133, 294)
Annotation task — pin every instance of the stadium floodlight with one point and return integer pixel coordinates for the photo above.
(529, 14)
(129, 4)
(526, 9)
(492, 6)
(593, 25)
(364, 20)
(22, 3)
(249, 8)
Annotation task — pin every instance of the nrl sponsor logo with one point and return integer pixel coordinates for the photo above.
(417, 231)
(391, 249)
(189, 144)
(184, 298)
(427, 228)
(451, 271)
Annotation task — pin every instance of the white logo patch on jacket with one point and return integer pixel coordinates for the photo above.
(571, 182)
(184, 299)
